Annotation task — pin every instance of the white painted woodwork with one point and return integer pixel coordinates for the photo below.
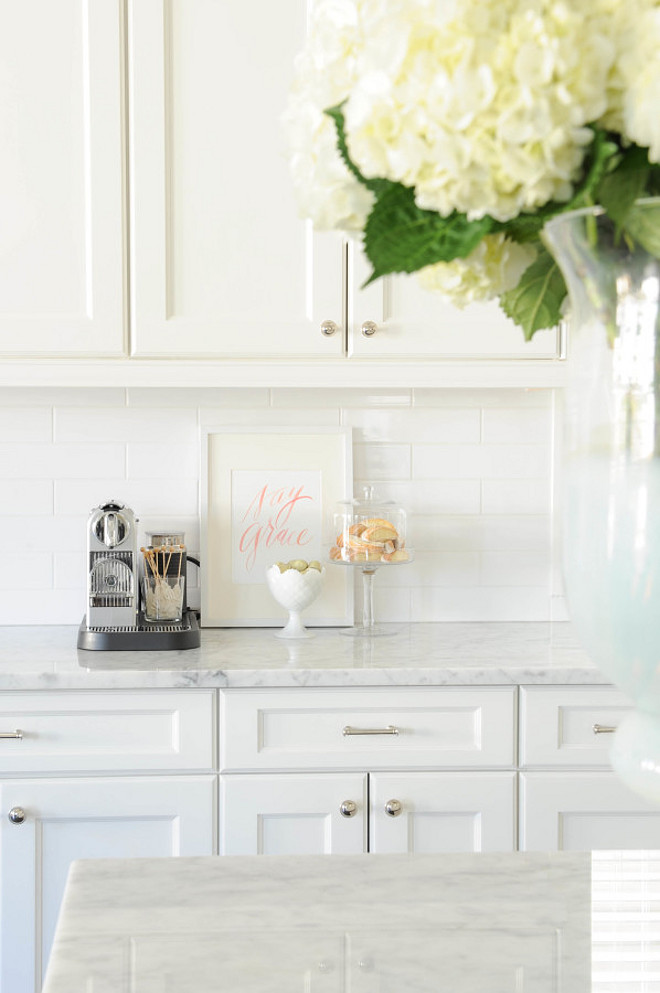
(557, 724)
(69, 819)
(302, 729)
(221, 263)
(61, 195)
(413, 323)
(443, 812)
(575, 811)
(292, 814)
(110, 730)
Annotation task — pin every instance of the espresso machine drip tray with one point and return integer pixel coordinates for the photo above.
(144, 637)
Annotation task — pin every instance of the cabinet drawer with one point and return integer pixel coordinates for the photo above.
(559, 724)
(109, 730)
(320, 729)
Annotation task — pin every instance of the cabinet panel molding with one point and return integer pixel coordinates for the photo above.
(569, 725)
(62, 196)
(109, 730)
(293, 814)
(304, 729)
(577, 811)
(68, 819)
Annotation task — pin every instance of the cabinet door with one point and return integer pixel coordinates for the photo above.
(293, 814)
(221, 263)
(61, 198)
(83, 818)
(574, 811)
(429, 812)
(413, 323)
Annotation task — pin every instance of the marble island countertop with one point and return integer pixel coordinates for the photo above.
(275, 924)
(416, 654)
(582, 922)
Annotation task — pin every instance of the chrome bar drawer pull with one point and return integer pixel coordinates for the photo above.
(12, 734)
(390, 729)
(393, 808)
(348, 808)
(603, 729)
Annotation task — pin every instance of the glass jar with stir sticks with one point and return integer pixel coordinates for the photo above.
(164, 577)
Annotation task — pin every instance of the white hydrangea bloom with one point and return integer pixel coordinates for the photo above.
(325, 189)
(482, 106)
(640, 76)
(492, 268)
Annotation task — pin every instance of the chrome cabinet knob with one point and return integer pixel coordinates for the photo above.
(16, 815)
(348, 808)
(329, 328)
(393, 808)
(369, 329)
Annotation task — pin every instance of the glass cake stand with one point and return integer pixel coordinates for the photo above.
(370, 535)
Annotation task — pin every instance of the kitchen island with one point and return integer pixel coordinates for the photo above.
(498, 923)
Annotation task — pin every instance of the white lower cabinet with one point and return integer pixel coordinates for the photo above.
(579, 811)
(350, 813)
(109, 774)
(569, 797)
(59, 820)
(374, 769)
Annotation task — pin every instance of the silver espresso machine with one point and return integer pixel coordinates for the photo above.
(115, 619)
(112, 580)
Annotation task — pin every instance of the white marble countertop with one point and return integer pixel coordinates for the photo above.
(463, 923)
(416, 654)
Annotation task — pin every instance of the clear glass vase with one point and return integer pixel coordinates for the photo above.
(611, 472)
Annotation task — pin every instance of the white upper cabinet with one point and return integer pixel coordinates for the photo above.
(148, 210)
(221, 263)
(61, 196)
(395, 318)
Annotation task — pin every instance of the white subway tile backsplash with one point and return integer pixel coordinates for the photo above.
(259, 418)
(509, 425)
(26, 571)
(26, 425)
(514, 568)
(472, 468)
(145, 496)
(38, 534)
(160, 461)
(208, 397)
(480, 461)
(452, 425)
(480, 604)
(41, 607)
(62, 461)
(153, 425)
(378, 462)
(518, 496)
(340, 397)
(448, 496)
(26, 497)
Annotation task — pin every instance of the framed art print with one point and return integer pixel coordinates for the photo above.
(267, 496)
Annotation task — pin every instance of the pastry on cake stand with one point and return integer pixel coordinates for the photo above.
(370, 535)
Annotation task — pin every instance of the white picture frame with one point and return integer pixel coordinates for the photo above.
(268, 495)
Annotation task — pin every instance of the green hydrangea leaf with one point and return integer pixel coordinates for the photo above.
(400, 237)
(535, 303)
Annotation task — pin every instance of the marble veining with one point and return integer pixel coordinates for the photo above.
(417, 654)
(506, 923)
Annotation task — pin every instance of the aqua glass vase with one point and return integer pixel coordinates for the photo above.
(611, 472)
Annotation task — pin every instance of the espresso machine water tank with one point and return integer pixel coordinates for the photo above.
(112, 581)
